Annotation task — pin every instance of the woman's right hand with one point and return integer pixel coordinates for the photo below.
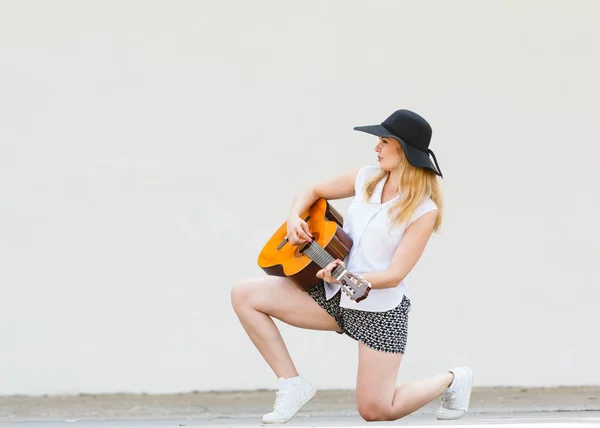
(298, 231)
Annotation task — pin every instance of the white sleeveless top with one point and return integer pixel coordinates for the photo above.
(374, 243)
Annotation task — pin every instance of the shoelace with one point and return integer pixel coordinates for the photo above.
(279, 394)
(448, 399)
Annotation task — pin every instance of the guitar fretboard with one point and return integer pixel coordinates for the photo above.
(321, 257)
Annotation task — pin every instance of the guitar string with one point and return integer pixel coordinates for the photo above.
(318, 254)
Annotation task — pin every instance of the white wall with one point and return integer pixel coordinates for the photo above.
(145, 148)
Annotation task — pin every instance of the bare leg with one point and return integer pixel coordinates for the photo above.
(414, 395)
(256, 300)
(377, 397)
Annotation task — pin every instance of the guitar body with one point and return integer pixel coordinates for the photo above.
(278, 257)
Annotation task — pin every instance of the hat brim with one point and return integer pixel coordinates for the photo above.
(414, 156)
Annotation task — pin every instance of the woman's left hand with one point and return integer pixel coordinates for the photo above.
(325, 273)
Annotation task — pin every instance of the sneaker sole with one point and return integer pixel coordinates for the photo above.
(470, 388)
(310, 396)
(450, 418)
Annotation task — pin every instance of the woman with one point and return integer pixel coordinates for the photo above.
(396, 208)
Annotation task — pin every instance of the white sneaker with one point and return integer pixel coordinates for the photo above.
(293, 393)
(455, 400)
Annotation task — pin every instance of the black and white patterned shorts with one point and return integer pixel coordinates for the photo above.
(383, 331)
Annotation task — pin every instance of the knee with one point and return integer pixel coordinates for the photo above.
(241, 295)
(372, 411)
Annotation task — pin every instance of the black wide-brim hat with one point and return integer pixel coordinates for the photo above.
(414, 134)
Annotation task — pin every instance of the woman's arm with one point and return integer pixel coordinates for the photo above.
(341, 186)
(407, 254)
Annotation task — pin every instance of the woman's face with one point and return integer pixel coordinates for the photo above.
(388, 153)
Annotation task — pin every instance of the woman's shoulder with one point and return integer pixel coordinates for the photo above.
(427, 204)
(366, 172)
(369, 169)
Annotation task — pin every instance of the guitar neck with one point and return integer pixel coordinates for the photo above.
(355, 287)
(321, 257)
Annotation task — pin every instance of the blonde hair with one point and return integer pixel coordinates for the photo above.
(415, 184)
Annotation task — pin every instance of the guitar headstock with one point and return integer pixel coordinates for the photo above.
(355, 286)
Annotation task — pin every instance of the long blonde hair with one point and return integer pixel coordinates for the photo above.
(415, 184)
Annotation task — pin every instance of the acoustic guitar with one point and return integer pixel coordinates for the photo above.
(301, 262)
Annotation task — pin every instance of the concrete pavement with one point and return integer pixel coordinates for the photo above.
(576, 419)
(509, 406)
